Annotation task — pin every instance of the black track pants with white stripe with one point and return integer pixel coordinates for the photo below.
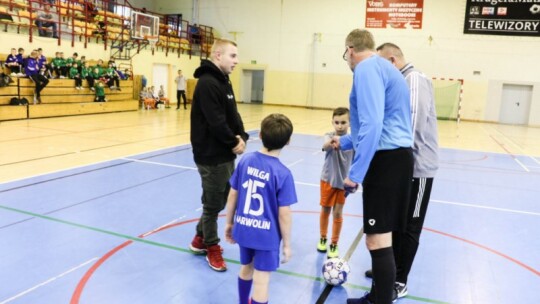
(406, 244)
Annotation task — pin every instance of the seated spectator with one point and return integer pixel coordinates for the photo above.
(21, 60)
(111, 61)
(82, 63)
(45, 19)
(99, 66)
(86, 73)
(112, 78)
(195, 34)
(44, 64)
(74, 74)
(13, 63)
(33, 72)
(71, 60)
(59, 65)
(147, 100)
(162, 98)
(127, 74)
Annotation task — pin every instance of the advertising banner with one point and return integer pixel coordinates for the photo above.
(394, 13)
(503, 17)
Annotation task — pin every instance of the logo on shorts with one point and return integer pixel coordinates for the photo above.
(371, 222)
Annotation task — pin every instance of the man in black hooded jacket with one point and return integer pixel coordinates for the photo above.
(217, 136)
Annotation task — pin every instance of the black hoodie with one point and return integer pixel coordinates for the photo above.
(215, 120)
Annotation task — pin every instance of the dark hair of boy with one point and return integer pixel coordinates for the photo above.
(340, 111)
(276, 131)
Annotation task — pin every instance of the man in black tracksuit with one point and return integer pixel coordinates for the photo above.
(217, 136)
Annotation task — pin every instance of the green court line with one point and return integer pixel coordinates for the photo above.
(162, 245)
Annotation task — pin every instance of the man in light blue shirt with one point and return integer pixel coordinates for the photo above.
(381, 136)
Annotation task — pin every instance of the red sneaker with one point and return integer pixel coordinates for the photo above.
(197, 245)
(215, 259)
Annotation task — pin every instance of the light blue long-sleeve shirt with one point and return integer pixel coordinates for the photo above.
(380, 113)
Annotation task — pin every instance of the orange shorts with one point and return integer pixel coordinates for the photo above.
(331, 196)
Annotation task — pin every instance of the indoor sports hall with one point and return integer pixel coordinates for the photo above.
(98, 204)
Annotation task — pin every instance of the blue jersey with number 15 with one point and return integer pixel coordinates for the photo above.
(264, 184)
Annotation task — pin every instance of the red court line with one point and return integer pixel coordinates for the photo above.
(82, 283)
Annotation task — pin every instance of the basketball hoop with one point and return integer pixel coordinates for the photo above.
(152, 40)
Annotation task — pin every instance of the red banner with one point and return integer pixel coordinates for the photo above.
(394, 13)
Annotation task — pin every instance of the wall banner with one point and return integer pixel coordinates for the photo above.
(394, 13)
(503, 17)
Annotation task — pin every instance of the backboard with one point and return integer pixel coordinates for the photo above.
(144, 26)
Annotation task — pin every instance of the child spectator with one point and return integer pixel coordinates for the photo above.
(127, 74)
(335, 169)
(44, 64)
(33, 72)
(86, 73)
(59, 64)
(162, 98)
(13, 63)
(96, 73)
(111, 61)
(112, 78)
(148, 100)
(74, 74)
(262, 190)
(21, 60)
(82, 63)
(100, 91)
(71, 60)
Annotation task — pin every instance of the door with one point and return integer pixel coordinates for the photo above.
(257, 86)
(515, 104)
(252, 86)
(160, 77)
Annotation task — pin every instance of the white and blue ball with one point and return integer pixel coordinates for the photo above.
(335, 271)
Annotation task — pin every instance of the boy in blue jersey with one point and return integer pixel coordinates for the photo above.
(258, 210)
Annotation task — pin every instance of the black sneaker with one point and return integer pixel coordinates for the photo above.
(369, 274)
(401, 290)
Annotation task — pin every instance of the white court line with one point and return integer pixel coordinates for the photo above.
(48, 281)
(162, 226)
(522, 165)
(486, 207)
(307, 184)
(451, 203)
(295, 163)
(157, 163)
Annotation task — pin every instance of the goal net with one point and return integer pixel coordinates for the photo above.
(447, 98)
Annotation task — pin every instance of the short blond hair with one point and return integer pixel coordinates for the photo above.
(360, 40)
(219, 44)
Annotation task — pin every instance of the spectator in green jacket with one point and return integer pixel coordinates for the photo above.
(59, 65)
(86, 73)
(100, 91)
(74, 74)
(112, 77)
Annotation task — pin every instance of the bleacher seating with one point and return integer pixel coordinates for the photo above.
(7, 111)
(60, 98)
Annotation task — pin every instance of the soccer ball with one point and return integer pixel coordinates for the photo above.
(335, 271)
